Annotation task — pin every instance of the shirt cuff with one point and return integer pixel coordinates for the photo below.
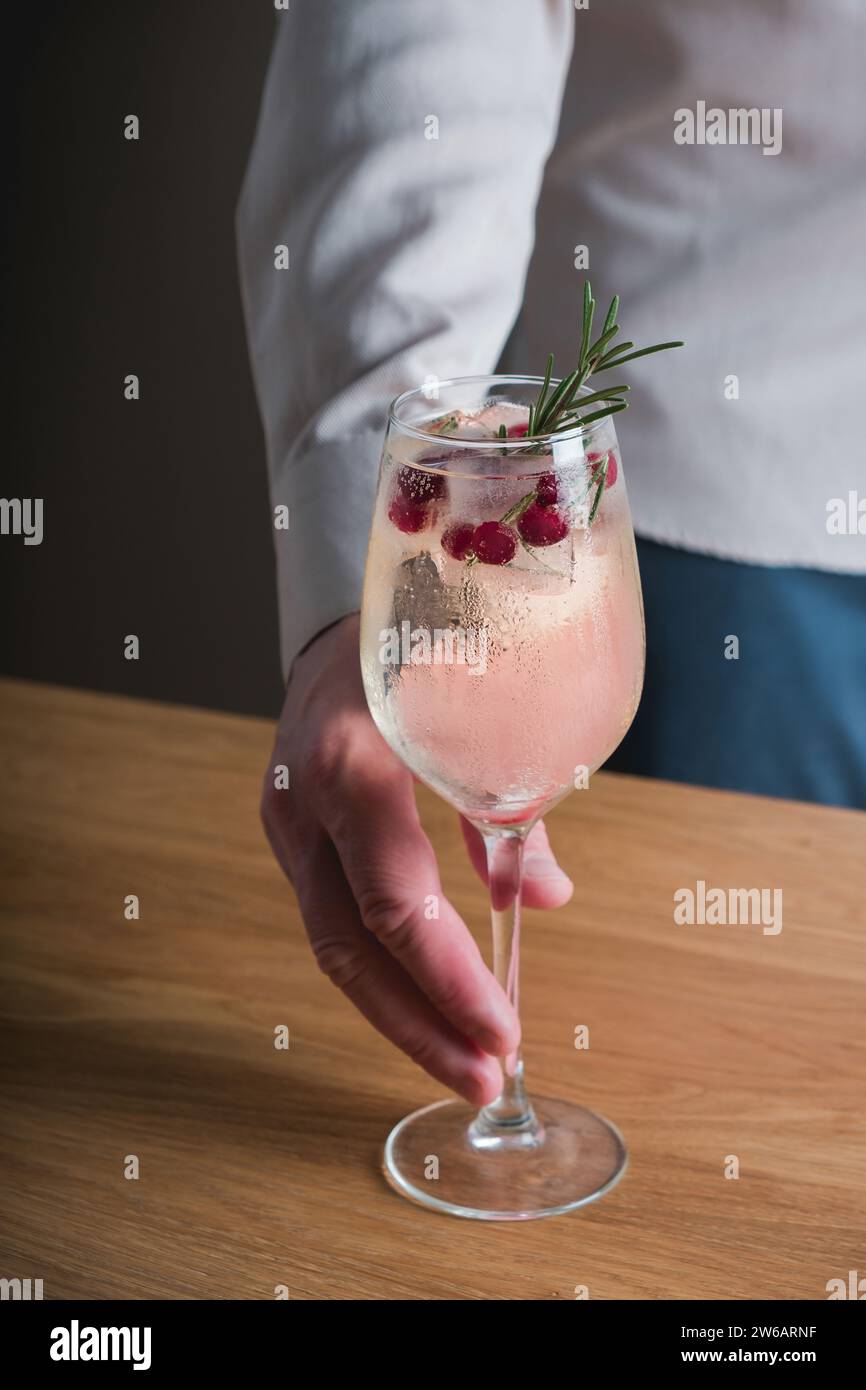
(330, 490)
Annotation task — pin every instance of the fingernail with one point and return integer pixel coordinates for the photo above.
(544, 870)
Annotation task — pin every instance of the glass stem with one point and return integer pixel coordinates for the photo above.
(511, 1112)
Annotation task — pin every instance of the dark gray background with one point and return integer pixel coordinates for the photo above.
(121, 258)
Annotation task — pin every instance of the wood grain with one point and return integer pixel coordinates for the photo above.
(260, 1167)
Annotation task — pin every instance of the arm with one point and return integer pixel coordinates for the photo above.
(407, 254)
(407, 260)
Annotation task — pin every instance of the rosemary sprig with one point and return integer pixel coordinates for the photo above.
(563, 407)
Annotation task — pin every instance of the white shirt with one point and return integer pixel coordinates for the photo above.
(431, 168)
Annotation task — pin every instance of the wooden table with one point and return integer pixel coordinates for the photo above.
(259, 1167)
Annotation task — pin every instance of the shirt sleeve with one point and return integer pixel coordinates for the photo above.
(398, 158)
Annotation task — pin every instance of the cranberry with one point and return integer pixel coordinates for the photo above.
(518, 431)
(457, 539)
(494, 543)
(547, 490)
(417, 486)
(408, 515)
(594, 461)
(542, 525)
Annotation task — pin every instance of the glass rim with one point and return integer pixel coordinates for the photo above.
(484, 445)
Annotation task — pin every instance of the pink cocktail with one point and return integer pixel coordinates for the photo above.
(502, 649)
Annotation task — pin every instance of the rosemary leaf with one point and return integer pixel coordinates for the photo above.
(588, 315)
(516, 512)
(612, 353)
(600, 414)
(602, 479)
(597, 349)
(610, 321)
(609, 395)
(641, 352)
(536, 409)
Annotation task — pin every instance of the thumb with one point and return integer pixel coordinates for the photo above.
(544, 883)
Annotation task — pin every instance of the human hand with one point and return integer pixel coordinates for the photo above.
(348, 837)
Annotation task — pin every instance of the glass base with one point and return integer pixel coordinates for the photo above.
(439, 1158)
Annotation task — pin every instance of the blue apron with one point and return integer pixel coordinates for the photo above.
(781, 711)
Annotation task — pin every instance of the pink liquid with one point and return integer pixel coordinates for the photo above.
(549, 710)
(551, 690)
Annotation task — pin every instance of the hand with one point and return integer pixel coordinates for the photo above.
(348, 837)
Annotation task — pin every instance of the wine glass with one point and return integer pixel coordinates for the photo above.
(502, 651)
